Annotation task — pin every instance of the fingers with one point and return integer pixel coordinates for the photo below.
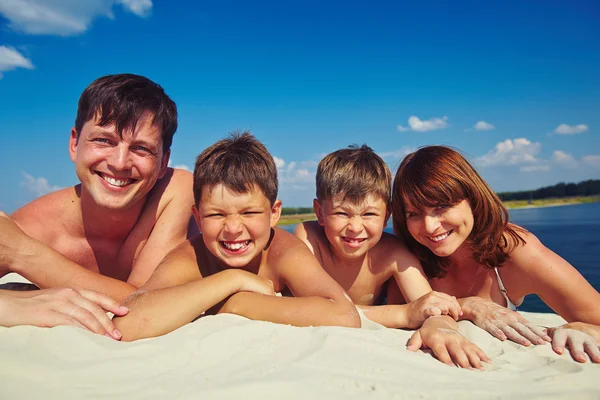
(592, 350)
(494, 331)
(538, 331)
(527, 332)
(104, 301)
(575, 344)
(441, 352)
(513, 335)
(92, 316)
(415, 342)
(431, 312)
(559, 341)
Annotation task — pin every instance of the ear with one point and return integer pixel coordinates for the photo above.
(73, 144)
(164, 163)
(275, 213)
(318, 212)
(196, 215)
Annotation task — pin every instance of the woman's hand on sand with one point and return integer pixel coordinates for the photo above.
(447, 344)
(430, 305)
(65, 306)
(249, 282)
(503, 323)
(579, 343)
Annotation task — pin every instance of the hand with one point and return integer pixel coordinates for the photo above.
(579, 343)
(503, 323)
(249, 282)
(447, 344)
(66, 306)
(432, 304)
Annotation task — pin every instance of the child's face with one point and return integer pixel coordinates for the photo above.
(352, 229)
(235, 227)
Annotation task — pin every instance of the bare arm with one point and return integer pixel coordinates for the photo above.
(172, 226)
(415, 289)
(176, 294)
(318, 299)
(48, 268)
(533, 268)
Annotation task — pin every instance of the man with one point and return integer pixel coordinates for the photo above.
(109, 232)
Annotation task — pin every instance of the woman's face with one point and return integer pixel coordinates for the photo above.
(442, 229)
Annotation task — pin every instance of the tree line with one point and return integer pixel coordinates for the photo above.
(584, 188)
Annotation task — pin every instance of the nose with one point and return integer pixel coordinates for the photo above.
(355, 224)
(431, 223)
(233, 225)
(120, 158)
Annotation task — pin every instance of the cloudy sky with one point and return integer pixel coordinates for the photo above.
(513, 84)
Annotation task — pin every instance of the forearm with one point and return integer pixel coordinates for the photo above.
(390, 316)
(440, 322)
(47, 268)
(297, 311)
(158, 312)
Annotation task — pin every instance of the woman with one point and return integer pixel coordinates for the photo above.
(457, 226)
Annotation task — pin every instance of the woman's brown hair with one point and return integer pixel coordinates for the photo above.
(435, 175)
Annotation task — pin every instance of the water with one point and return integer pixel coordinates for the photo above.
(569, 231)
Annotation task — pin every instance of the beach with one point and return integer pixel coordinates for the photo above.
(228, 356)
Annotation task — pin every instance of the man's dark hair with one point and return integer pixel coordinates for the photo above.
(122, 99)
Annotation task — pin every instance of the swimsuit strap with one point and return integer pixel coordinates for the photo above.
(509, 304)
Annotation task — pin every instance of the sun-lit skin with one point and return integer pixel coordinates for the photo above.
(352, 229)
(118, 172)
(235, 227)
(442, 229)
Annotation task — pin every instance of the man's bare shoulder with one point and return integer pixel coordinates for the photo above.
(43, 217)
(175, 181)
(285, 245)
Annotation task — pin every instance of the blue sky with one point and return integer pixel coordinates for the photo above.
(513, 84)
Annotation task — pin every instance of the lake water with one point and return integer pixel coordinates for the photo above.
(569, 231)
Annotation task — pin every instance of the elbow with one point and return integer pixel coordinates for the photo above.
(348, 317)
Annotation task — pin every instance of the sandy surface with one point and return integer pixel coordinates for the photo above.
(227, 356)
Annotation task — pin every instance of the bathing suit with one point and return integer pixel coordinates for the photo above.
(509, 304)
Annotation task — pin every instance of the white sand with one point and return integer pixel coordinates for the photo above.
(227, 356)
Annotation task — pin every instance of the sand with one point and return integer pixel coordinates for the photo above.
(227, 356)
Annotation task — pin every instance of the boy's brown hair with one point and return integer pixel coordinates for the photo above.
(239, 162)
(352, 174)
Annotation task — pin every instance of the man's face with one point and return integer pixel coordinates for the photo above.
(236, 227)
(118, 173)
(352, 229)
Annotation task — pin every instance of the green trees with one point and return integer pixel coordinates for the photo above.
(584, 188)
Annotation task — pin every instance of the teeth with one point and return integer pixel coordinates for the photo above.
(236, 245)
(116, 182)
(353, 240)
(441, 237)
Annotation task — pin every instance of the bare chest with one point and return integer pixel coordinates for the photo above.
(363, 285)
(481, 283)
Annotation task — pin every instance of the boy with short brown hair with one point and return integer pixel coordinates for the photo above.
(241, 258)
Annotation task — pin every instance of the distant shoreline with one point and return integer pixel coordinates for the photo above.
(294, 219)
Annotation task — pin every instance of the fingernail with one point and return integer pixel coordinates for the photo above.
(124, 309)
(117, 334)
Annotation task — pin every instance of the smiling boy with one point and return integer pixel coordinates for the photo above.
(109, 232)
(241, 259)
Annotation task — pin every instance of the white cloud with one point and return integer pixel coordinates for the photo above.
(562, 158)
(396, 155)
(483, 126)
(535, 168)
(592, 160)
(63, 17)
(564, 129)
(418, 125)
(511, 152)
(279, 163)
(11, 59)
(37, 186)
